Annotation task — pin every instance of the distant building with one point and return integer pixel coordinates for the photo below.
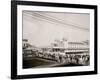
(65, 46)
(60, 43)
(25, 43)
(77, 45)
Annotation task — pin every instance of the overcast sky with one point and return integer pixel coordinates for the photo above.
(42, 28)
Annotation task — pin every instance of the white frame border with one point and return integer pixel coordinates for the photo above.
(21, 71)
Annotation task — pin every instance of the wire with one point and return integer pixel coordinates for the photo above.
(59, 21)
(39, 15)
(53, 17)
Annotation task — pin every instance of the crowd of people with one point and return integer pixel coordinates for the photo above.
(62, 57)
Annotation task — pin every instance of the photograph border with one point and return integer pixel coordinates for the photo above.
(14, 35)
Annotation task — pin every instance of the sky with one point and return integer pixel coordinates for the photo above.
(42, 28)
